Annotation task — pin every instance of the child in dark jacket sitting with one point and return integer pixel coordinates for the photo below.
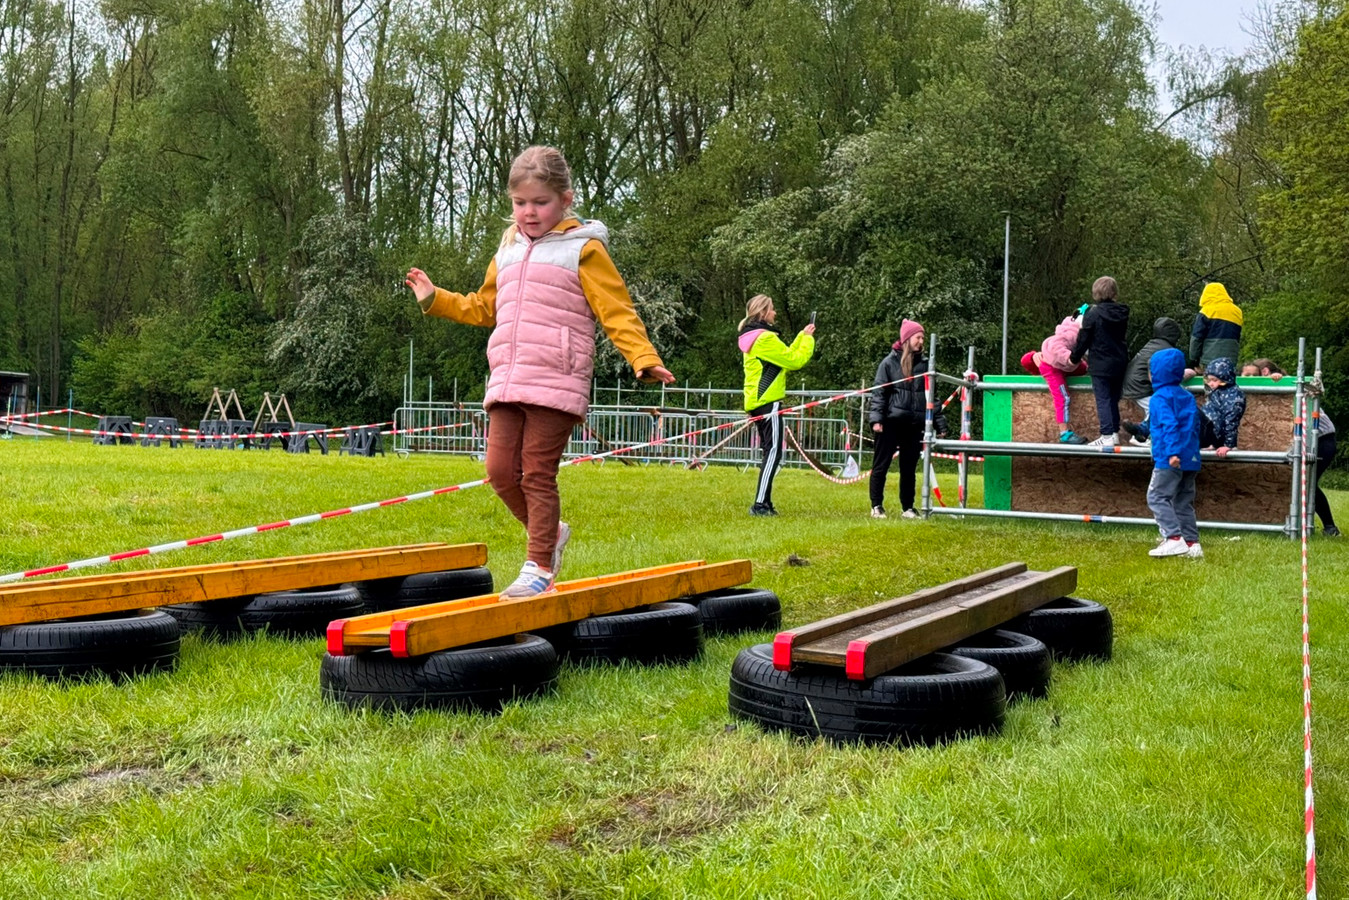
(1175, 453)
(1220, 419)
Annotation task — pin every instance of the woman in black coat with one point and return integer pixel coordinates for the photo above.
(898, 413)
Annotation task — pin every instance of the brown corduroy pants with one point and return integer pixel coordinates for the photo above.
(524, 447)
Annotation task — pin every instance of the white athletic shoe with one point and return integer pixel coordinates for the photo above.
(1194, 551)
(1105, 440)
(909, 514)
(878, 512)
(1170, 547)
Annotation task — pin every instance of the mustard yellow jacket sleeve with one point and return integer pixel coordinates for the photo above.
(612, 305)
(477, 308)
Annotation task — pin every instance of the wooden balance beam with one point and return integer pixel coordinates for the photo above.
(62, 598)
(425, 629)
(875, 639)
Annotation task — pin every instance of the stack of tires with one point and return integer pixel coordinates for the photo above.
(119, 645)
(963, 690)
(306, 612)
(485, 676)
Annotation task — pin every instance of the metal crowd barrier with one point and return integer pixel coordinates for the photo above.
(613, 427)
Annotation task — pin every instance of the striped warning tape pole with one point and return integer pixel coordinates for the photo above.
(1309, 804)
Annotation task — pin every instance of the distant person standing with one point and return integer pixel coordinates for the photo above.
(1217, 328)
(898, 416)
(767, 361)
(1102, 338)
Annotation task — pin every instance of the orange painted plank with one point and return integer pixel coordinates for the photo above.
(138, 590)
(38, 584)
(455, 629)
(361, 633)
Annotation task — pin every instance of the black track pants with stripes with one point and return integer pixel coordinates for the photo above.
(770, 442)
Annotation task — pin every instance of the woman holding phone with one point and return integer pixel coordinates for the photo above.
(767, 361)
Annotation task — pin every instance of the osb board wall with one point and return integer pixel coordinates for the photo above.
(1118, 487)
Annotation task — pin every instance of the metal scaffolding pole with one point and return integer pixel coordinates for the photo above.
(1099, 520)
(1009, 448)
(965, 394)
(1294, 524)
(929, 388)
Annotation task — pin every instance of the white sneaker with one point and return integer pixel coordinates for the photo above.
(1194, 551)
(1105, 440)
(531, 582)
(909, 514)
(878, 512)
(1170, 547)
(1137, 443)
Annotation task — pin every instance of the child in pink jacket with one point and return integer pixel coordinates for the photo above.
(1052, 363)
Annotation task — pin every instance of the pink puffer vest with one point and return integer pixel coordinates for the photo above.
(542, 350)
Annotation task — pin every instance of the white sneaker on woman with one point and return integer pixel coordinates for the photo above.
(1105, 440)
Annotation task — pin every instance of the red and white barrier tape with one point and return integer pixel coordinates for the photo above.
(955, 456)
(241, 532)
(1309, 805)
(317, 517)
(188, 435)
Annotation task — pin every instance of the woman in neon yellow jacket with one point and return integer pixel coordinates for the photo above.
(767, 362)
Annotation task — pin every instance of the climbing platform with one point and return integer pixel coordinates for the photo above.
(63, 598)
(441, 626)
(875, 639)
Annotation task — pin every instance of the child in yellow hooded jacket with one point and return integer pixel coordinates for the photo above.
(1217, 328)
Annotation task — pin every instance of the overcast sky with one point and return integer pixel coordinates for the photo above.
(1215, 25)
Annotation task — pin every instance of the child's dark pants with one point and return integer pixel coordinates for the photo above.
(1107, 389)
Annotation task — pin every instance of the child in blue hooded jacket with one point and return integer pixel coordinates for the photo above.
(1174, 417)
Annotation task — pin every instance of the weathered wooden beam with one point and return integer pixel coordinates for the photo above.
(914, 626)
(64, 598)
(816, 631)
(371, 632)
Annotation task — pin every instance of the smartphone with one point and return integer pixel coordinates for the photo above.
(813, 313)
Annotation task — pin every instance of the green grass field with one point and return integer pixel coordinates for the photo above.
(1174, 771)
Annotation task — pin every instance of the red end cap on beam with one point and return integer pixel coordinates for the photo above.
(335, 644)
(782, 650)
(855, 660)
(398, 639)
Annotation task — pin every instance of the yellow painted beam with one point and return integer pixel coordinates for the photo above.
(64, 598)
(455, 629)
(371, 632)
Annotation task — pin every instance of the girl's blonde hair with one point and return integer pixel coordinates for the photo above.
(548, 167)
(757, 308)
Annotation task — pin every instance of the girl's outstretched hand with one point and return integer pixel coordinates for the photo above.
(656, 373)
(420, 284)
